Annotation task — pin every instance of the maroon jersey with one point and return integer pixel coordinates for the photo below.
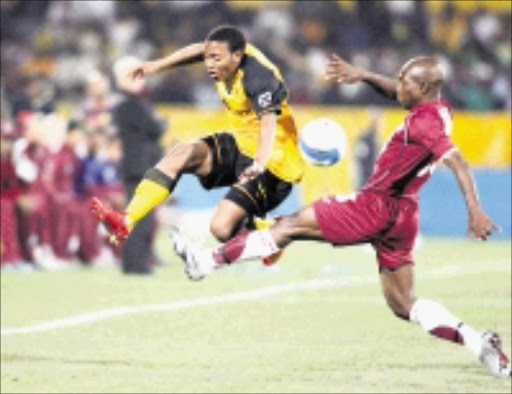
(408, 158)
(9, 186)
(63, 168)
(29, 161)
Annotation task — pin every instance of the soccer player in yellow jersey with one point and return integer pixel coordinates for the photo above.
(259, 159)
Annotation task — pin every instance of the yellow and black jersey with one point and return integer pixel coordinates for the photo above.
(258, 87)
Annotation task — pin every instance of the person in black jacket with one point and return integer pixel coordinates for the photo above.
(140, 132)
(366, 149)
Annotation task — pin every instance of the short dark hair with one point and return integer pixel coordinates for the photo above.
(230, 34)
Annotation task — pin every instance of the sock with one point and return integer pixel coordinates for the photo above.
(246, 245)
(154, 188)
(438, 321)
(263, 224)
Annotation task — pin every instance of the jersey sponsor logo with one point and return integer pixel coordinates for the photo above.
(265, 99)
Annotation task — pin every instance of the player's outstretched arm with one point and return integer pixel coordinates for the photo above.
(480, 225)
(189, 54)
(342, 72)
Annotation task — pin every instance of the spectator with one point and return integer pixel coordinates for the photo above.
(366, 148)
(99, 176)
(139, 131)
(37, 95)
(62, 170)
(96, 112)
(10, 248)
(67, 40)
(29, 158)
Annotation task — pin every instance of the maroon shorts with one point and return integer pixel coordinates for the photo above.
(389, 224)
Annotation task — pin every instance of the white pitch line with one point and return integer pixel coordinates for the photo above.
(443, 272)
(185, 304)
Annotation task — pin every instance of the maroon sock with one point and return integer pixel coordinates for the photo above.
(448, 333)
(232, 249)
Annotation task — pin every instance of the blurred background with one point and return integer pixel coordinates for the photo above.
(60, 147)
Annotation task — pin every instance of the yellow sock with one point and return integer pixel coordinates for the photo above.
(148, 195)
(151, 191)
(263, 224)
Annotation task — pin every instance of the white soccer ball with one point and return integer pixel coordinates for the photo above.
(322, 142)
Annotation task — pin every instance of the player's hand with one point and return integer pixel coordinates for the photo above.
(251, 172)
(480, 225)
(340, 71)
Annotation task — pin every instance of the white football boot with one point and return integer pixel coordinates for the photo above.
(493, 357)
(198, 262)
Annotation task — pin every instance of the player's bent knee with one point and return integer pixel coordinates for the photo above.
(400, 307)
(180, 151)
(183, 157)
(221, 230)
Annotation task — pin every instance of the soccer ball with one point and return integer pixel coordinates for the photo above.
(322, 142)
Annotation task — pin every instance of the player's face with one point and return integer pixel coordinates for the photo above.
(408, 89)
(221, 64)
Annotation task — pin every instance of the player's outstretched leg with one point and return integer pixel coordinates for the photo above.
(397, 286)
(486, 346)
(199, 263)
(154, 188)
(247, 245)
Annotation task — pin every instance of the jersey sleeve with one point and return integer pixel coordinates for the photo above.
(263, 88)
(432, 130)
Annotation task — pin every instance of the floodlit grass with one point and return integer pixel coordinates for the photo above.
(332, 337)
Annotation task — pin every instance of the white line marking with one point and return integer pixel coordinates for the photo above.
(443, 272)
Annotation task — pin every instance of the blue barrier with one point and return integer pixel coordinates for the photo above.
(443, 210)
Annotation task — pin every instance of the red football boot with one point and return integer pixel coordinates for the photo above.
(114, 220)
(269, 260)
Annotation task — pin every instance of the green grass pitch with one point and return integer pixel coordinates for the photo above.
(315, 322)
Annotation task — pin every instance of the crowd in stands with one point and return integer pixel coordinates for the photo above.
(62, 51)
(50, 169)
(66, 39)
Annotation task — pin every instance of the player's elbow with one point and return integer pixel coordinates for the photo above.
(454, 160)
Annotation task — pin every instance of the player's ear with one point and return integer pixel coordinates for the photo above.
(238, 54)
(424, 87)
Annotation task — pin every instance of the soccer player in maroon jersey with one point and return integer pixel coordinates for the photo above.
(385, 213)
(10, 250)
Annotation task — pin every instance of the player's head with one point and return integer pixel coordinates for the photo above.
(124, 81)
(223, 52)
(420, 79)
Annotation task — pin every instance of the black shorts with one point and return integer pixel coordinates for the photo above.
(256, 196)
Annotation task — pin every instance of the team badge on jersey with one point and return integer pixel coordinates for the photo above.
(265, 99)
